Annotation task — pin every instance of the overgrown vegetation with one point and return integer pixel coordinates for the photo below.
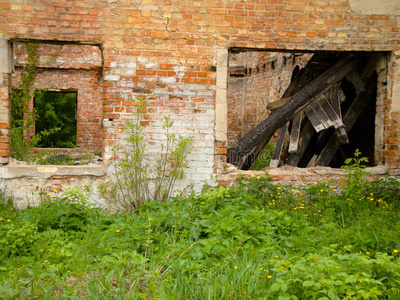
(56, 112)
(264, 159)
(253, 241)
(141, 176)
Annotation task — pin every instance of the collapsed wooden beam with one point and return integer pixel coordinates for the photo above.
(244, 153)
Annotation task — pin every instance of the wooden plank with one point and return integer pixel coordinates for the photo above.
(336, 96)
(342, 135)
(244, 153)
(312, 116)
(321, 114)
(330, 111)
(306, 134)
(295, 134)
(354, 78)
(276, 157)
(349, 120)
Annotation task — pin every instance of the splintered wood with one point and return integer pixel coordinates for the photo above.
(314, 111)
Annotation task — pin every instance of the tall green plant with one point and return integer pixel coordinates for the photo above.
(140, 176)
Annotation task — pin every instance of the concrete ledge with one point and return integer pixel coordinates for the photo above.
(299, 176)
(46, 171)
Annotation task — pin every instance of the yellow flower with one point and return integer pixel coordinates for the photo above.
(269, 276)
(1, 219)
(395, 251)
(55, 191)
(8, 220)
(368, 253)
(54, 196)
(48, 194)
(276, 256)
(117, 231)
(279, 188)
(235, 267)
(265, 270)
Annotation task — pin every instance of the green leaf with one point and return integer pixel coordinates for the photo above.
(332, 295)
(274, 287)
(308, 283)
(284, 287)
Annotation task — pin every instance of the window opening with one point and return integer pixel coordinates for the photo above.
(330, 113)
(56, 117)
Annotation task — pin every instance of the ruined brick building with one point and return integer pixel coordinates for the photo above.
(211, 65)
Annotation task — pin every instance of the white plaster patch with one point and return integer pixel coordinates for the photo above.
(87, 58)
(375, 7)
(396, 97)
(168, 80)
(113, 77)
(151, 65)
(180, 70)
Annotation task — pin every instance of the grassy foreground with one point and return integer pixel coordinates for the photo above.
(253, 241)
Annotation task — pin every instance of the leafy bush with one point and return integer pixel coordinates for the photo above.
(140, 176)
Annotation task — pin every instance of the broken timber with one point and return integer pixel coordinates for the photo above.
(349, 119)
(244, 153)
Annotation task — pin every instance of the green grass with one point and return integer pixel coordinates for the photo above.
(253, 241)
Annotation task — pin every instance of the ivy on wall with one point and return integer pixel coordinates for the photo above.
(53, 115)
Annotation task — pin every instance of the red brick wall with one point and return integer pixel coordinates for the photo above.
(165, 51)
(4, 122)
(70, 68)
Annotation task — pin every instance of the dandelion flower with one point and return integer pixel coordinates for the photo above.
(265, 270)
(54, 196)
(368, 253)
(55, 191)
(48, 194)
(8, 220)
(269, 276)
(276, 256)
(117, 231)
(235, 267)
(1, 219)
(395, 251)
(279, 188)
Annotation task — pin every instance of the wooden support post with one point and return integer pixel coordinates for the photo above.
(276, 157)
(295, 134)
